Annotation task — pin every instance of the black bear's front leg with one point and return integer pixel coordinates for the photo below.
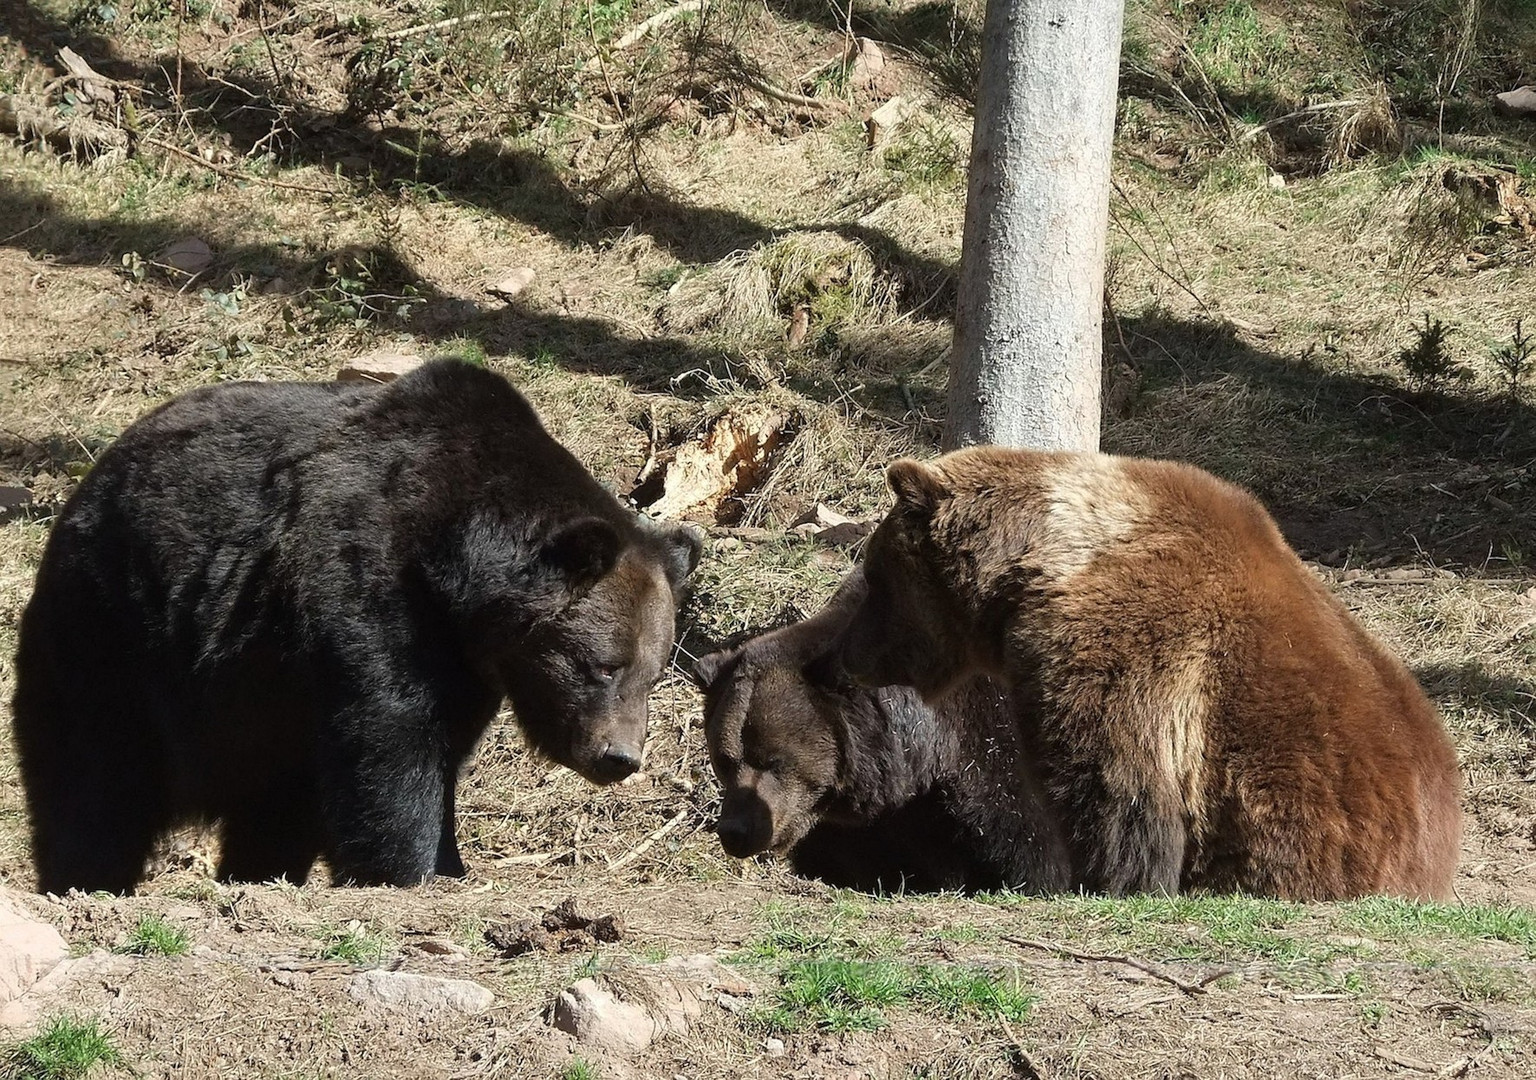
(449, 864)
(383, 774)
(272, 834)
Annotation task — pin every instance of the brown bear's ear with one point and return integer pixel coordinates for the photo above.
(583, 551)
(916, 484)
(708, 669)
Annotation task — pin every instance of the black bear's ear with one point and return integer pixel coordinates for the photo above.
(919, 486)
(682, 545)
(583, 551)
(708, 669)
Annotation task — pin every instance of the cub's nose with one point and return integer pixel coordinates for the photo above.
(733, 837)
(615, 764)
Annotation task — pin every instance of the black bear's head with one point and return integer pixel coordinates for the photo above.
(577, 626)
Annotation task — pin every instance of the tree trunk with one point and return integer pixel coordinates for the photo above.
(1027, 360)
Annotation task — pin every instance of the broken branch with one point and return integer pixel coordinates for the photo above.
(660, 19)
(1191, 988)
(648, 843)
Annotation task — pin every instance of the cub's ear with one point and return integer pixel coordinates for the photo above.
(682, 545)
(582, 551)
(920, 486)
(708, 669)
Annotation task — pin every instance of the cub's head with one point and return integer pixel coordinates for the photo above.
(912, 628)
(776, 730)
(774, 746)
(576, 627)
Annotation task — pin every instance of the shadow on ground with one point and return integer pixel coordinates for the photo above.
(1355, 467)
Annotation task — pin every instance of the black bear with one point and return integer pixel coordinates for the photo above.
(294, 608)
(1208, 714)
(873, 789)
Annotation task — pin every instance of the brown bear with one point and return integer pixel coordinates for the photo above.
(1208, 714)
(295, 608)
(872, 789)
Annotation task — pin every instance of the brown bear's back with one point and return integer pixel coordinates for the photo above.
(1179, 642)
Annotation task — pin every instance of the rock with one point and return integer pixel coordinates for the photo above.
(29, 949)
(439, 947)
(1519, 103)
(420, 993)
(190, 256)
(380, 366)
(879, 125)
(94, 967)
(829, 527)
(1276, 181)
(773, 1047)
(514, 282)
(598, 1019)
(868, 63)
(703, 970)
(665, 998)
(14, 502)
(734, 1005)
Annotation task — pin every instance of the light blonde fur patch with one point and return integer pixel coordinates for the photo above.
(1183, 703)
(1090, 504)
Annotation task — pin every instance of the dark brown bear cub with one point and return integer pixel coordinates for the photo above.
(872, 789)
(1208, 714)
(294, 608)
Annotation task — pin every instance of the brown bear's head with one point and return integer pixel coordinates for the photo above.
(912, 628)
(775, 729)
(578, 632)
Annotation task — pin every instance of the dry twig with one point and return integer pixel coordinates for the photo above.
(444, 24)
(230, 174)
(649, 842)
(1322, 106)
(660, 19)
(1025, 1064)
(767, 89)
(1197, 987)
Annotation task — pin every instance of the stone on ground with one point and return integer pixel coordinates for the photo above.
(420, 993)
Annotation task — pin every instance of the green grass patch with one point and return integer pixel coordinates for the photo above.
(1234, 47)
(153, 936)
(840, 929)
(353, 943)
(1214, 928)
(1387, 917)
(65, 1049)
(853, 995)
(578, 1068)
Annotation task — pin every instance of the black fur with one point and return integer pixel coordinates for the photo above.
(295, 608)
(936, 799)
(920, 798)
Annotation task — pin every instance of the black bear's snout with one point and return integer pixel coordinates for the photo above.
(614, 764)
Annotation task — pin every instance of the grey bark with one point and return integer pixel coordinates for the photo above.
(1026, 365)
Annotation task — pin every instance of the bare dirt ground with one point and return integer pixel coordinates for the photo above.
(357, 191)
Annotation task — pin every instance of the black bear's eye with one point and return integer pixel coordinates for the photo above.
(606, 672)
